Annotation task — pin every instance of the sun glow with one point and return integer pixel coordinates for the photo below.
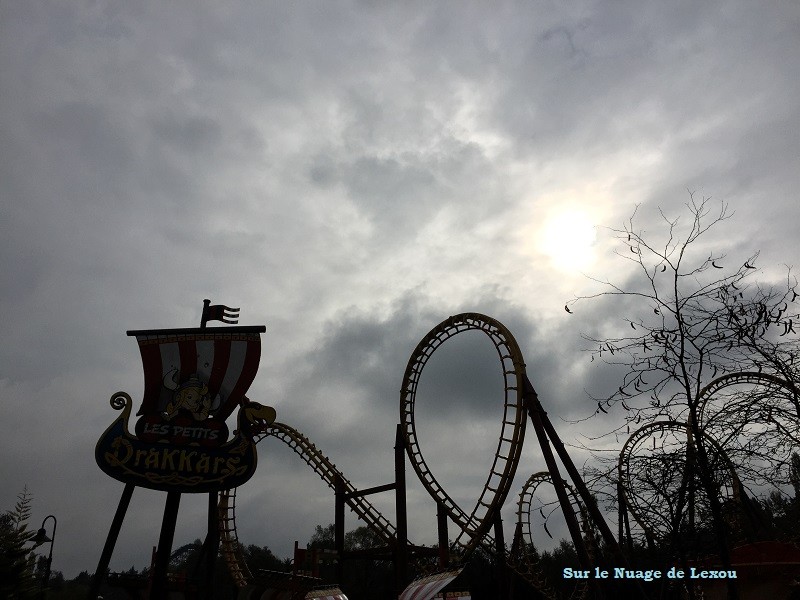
(567, 238)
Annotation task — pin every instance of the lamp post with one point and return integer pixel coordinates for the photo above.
(41, 538)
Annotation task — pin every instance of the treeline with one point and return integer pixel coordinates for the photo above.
(22, 568)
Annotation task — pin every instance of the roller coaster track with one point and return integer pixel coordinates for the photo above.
(322, 466)
(523, 562)
(229, 546)
(525, 501)
(731, 379)
(640, 507)
(328, 472)
(475, 525)
(636, 441)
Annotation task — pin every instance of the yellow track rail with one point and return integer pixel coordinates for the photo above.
(322, 466)
(475, 525)
(229, 545)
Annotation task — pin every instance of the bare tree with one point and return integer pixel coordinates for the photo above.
(696, 321)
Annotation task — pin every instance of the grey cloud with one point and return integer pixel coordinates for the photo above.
(350, 177)
(87, 130)
(190, 134)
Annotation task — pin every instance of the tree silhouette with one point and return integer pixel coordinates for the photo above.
(16, 559)
(692, 316)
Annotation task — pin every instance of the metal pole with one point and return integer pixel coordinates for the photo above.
(620, 512)
(444, 543)
(558, 484)
(212, 543)
(518, 552)
(536, 410)
(535, 407)
(204, 316)
(159, 589)
(338, 528)
(538, 416)
(50, 556)
(628, 538)
(401, 560)
(111, 541)
(500, 549)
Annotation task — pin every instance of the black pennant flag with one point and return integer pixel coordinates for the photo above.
(218, 312)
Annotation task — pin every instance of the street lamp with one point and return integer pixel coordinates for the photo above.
(41, 538)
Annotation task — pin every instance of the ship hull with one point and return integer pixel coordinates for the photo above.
(172, 467)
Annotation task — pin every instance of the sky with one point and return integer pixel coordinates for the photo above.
(350, 174)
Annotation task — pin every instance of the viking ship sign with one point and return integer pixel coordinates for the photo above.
(194, 379)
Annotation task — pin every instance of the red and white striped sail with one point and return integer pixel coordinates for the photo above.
(224, 358)
(427, 587)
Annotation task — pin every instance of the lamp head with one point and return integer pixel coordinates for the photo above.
(41, 537)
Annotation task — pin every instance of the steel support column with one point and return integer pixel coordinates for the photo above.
(444, 542)
(338, 527)
(401, 561)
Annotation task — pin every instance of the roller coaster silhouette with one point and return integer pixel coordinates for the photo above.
(480, 526)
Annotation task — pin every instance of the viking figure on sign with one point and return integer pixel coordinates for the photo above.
(191, 396)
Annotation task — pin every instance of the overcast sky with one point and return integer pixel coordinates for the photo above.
(350, 174)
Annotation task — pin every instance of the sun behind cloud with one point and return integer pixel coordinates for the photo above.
(567, 237)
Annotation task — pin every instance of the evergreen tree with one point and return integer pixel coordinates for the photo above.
(17, 579)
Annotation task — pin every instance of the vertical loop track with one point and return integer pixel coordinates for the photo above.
(475, 525)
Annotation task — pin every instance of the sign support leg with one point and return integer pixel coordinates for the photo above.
(212, 543)
(159, 589)
(111, 541)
